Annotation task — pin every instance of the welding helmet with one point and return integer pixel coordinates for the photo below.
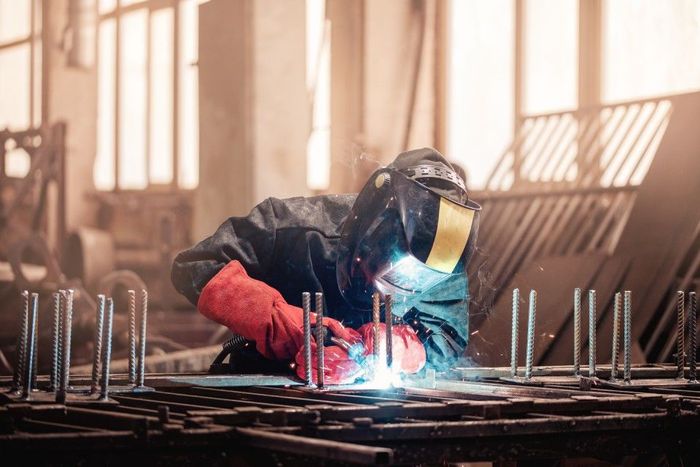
(410, 228)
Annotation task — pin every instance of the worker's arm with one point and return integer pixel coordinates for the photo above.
(249, 240)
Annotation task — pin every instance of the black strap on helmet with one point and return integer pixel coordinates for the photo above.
(418, 172)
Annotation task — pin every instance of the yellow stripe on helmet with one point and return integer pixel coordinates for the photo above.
(454, 226)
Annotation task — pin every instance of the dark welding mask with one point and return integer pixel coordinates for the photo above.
(405, 235)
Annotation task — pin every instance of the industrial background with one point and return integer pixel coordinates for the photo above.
(130, 129)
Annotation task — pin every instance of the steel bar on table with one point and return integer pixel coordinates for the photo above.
(592, 324)
(388, 322)
(132, 337)
(693, 337)
(628, 337)
(141, 370)
(56, 342)
(531, 334)
(107, 355)
(514, 334)
(577, 331)
(306, 306)
(35, 342)
(97, 354)
(319, 448)
(31, 359)
(320, 339)
(21, 349)
(376, 318)
(680, 331)
(617, 304)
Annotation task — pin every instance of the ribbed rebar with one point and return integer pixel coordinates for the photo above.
(376, 318)
(680, 333)
(21, 349)
(97, 348)
(617, 304)
(141, 375)
(592, 338)
(35, 342)
(132, 336)
(30, 362)
(107, 353)
(693, 336)
(306, 306)
(628, 337)
(577, 331)
(388, 322)
(532, 312)
(56, 342)
(514, 334)
(320, 338)
(66, 336)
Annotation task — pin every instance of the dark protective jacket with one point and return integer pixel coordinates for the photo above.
(291, 245)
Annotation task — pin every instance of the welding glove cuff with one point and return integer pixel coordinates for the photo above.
(256, 311)
(408, 352)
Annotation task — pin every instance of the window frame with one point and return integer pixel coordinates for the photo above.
(116, 14)
(35, 42)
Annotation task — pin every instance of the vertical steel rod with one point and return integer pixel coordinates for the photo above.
(306, 306)
(66, 331)
(592, 338)
(376, 318)
(35, 342)
(532, 311)
(97, 348)
(141, 375)
(107, 354)
(388, 322)
(617, 304)
(21, 349)
(321, 362)
(577, 331)
(56, 342)
(31, 350)
(628, 337)
(693, 337)
(680, 331)
(132, 336)
(514, 334)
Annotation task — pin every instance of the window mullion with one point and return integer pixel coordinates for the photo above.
(147, 139)
(176, 94)
(117, 111)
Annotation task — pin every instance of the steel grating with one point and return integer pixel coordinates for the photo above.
(456, 420)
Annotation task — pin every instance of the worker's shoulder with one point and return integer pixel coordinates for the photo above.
(323, 212)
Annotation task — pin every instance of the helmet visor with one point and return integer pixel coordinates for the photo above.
(402, 238)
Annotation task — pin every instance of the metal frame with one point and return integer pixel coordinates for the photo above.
(460, 420)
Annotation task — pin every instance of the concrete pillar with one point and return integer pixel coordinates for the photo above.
(254, 108)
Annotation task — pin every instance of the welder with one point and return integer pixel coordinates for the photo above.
(409, 232)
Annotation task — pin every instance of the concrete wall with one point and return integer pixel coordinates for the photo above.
(72, 97)
(254, 109)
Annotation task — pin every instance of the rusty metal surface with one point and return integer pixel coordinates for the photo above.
(473, 416)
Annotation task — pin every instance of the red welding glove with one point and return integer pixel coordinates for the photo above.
(258, 312)
(339, 367)
(408, 352)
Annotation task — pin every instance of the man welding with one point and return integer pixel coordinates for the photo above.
(410, 233)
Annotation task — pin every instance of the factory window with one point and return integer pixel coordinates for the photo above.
(479, 95)
(650, 48)
(20, 64)
(482, 108)
(147, 125)
(318, 83)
